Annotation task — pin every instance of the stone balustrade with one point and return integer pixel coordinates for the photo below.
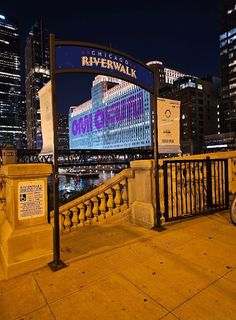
(105, 201)
(2, 199)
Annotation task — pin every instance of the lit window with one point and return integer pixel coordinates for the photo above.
(223, 36)
(231, 32)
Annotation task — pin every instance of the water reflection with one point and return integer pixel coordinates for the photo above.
(72, 186)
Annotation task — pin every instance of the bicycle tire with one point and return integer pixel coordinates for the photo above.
(233, 211)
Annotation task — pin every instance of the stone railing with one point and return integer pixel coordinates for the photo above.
(107, 200)
(2, 199)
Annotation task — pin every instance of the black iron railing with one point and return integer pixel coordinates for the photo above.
(86, 157)
(193, 187)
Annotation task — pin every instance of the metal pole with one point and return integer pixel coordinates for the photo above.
(56, 264)
(157, 216)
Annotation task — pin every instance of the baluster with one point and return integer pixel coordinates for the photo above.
(67, 221)
(74, 219)
(61, 221)
(102, 206)
(95, 210)
(88, 212)
(124, 195)
(2, 210)
(110, 202)
(81, 214)
(2, 189)
(2, 200)
(117, 199)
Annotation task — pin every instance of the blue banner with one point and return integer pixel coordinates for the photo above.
(103, 61)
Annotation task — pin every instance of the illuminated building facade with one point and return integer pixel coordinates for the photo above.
(227, 40)
(166, 76)
(37, 74)
(10, 84)
(220, 142)
(117, 116)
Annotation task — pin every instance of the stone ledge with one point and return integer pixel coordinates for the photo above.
(26, 170)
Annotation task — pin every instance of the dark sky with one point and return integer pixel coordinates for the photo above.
(183, 34)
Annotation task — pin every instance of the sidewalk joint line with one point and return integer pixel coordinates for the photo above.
(143, 292)
(200, 291)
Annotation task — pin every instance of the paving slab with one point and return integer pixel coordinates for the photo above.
(173, 239)
(200, 225)
(231, 275)
(110, 298)
(169, 316)
(217, 302)
(79, 274)
(19, 296)
(168, 278)
(100, 238)
(209, 253)
(43, 313)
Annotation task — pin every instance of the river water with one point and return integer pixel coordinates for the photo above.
(72, 187)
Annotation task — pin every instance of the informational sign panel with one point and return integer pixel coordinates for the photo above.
(101, 61)
(168, 125)
(31, 199)
(45, 100)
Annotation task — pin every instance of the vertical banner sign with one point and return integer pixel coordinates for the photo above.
(168, 125)
(45, 100)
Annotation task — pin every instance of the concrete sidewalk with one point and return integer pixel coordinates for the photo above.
(120, 271)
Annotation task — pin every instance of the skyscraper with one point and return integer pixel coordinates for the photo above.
(199, 107)
(227, 41)
(62, 131)
(10, 83)
(37, 74)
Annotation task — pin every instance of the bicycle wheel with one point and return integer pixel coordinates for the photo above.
(233, 211)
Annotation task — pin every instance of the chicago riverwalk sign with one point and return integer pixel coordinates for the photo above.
(91, 58)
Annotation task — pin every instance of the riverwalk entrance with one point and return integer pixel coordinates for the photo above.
(78, 57)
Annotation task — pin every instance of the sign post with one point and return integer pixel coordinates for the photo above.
(56, 264)
(157, 216)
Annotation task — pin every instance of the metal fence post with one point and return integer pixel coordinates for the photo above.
(165, 174)
(209, 183)
(226, 184)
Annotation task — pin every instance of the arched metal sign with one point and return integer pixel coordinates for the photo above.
(92, 58)
(70, 57)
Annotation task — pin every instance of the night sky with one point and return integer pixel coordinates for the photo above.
(182, 34)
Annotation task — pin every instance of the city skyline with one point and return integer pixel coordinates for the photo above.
(184, 35)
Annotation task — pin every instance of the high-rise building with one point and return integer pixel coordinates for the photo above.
(166, 75)
(22, 106)
(37, 74)
(199, 110)
(62, 131)
(10, 83)
(227, 41)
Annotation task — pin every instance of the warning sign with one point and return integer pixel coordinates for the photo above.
(31, 199)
